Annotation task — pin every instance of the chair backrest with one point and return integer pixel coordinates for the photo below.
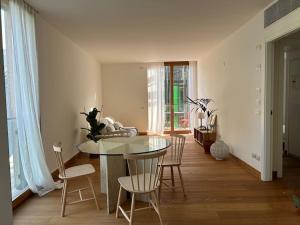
(60, 162)
(145, 170)
(176, 149)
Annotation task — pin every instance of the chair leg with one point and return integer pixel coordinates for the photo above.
(161, 180)
(93, 191)
(132, 208)
(172, 176)
(181, 180)
(64, 197)
(62, 192)
(157, 207)
(149, 200)
(119, 200)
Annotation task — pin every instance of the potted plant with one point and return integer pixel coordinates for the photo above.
(201, 106)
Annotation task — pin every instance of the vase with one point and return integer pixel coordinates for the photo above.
(219, 150)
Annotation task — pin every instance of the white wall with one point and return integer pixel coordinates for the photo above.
(231, 74)
(69, 83)
(125, 96)
(5, 190)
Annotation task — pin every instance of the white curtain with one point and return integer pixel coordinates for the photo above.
(21, 52)
(192, 93)
(156, 98)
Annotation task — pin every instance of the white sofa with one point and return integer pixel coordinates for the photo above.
(115, 129)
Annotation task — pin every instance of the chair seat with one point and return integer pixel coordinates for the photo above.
(170, 162)
(126, 183)
(77, 171)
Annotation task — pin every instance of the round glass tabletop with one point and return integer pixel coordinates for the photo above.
(121, 145)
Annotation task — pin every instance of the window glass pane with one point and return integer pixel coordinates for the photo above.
(180, 85)
(167, 98)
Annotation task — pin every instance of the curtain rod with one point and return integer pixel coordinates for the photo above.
(31, 7)
(25, 4)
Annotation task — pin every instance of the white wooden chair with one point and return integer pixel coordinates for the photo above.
(71, 173)
(173, 159)
(144, 171)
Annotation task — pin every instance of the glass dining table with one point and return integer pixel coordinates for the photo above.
(112, 164)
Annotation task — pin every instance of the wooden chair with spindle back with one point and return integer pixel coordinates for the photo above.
(173, 159)
(144, 171)
(71, 173)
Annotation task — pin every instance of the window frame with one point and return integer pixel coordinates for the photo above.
(171, 64)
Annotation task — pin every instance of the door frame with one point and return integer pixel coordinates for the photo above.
(172, 64)
(284, 92)
(267, 156)
(285, 26)
(273, 123)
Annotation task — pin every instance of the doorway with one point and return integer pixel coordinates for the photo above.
(177, 112)
(286, 100)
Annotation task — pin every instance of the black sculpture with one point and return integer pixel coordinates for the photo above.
(95, 126)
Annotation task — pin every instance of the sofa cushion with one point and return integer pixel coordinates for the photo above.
(110, 128)
(110, 120)
(118, 125)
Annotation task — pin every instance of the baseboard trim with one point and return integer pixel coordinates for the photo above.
(247, 167)
(143, 133)
(21, 198)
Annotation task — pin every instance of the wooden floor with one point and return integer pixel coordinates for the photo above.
(218, 193)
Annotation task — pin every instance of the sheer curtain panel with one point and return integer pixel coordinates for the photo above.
(156, 98)
(192, 92)
(22, 58)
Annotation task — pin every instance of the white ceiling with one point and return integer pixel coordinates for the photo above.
(147, 30)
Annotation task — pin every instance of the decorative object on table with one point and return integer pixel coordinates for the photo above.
(205, 138)
(95, 126)
(213, 122)
(201, 116)
(202, 105)
(296, 201)
(219, 150)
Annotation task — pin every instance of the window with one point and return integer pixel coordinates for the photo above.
(177, 113)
